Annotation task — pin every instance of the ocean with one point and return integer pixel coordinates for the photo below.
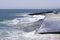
(13, 13)
(10, 17)
(16, 24)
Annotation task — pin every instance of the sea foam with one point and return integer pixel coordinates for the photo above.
(27, 19)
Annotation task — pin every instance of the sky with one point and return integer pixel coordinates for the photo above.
(29, 4)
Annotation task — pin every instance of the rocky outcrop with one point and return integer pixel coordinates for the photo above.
(41, 13)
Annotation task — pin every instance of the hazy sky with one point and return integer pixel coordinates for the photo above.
(29, 4)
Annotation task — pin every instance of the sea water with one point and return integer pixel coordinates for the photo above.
(16, 24)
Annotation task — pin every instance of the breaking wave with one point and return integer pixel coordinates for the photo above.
(26, 19)
(24, 29)
(26, 25)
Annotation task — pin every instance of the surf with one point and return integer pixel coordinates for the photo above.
(25, 20)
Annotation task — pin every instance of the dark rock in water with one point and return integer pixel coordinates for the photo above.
(48, 11)
(36, 14)
(41, 13)
(55, 12)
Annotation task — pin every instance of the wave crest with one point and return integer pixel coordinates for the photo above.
(27, 19)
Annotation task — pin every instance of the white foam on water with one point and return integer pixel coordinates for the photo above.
(30, 19)
(16, 35)
(31, 35)
(10, 22)
(27, 19)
